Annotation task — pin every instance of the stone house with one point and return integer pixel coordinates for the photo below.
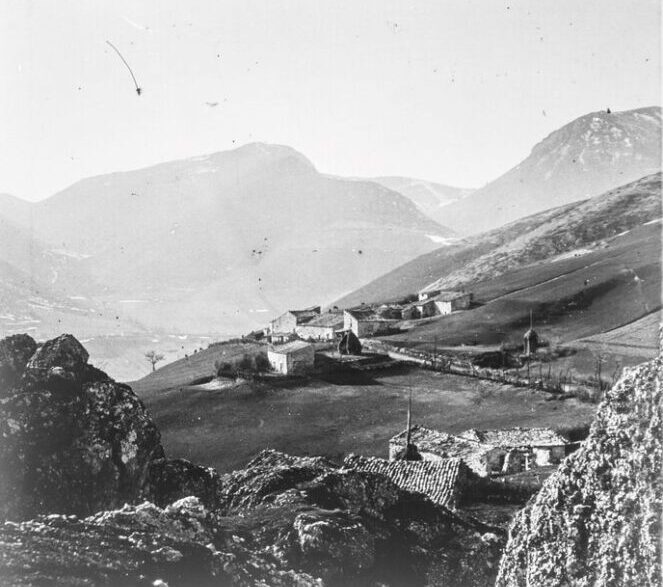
(487, 452)
(321, 327)
(365, 322)
(521, 448)
(288, 321)
(292, 358)
(450, 301)
(445, 482)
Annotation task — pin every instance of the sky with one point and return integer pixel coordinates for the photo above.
(454, 91)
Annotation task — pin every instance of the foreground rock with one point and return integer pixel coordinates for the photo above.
(597, 520)
(75, 442)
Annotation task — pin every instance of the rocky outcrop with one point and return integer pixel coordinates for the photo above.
(181, 544)
(597, 520)
(15, 352)
(73, 441)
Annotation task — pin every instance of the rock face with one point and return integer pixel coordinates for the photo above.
(597, 520)
(72, 440)
(15, 351)
(75, 442)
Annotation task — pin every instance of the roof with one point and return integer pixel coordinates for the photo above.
(368, 315)
(530, 333)
(290, 347)
(443, 444)
(514, 437)
(436, 480)
(327, 320)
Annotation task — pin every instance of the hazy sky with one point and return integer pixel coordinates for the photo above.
(455, 91)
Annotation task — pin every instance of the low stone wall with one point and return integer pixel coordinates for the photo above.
(447, 363)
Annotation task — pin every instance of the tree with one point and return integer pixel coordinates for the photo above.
(153, 357)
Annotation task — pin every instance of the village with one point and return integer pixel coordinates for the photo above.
(451, 469)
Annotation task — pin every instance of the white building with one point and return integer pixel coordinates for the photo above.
(293, 358)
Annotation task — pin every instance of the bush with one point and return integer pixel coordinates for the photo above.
(261, 363)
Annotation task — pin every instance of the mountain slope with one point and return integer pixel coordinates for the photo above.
(430, 197)
(218, 243)
(573, 230)
(586, 157)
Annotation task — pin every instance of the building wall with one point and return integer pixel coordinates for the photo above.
(427, 309)
(443, 308)
(278, 362)
(292, 363)
(301, 361)
(315, 332)
(284, 323)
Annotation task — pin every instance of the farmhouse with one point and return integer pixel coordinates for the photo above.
(489, 451)
(288, 321)
(292, 358)
(444, 482)
(529, 446)
(321, 327)
(365, 322)
(450, 301)
(437, 446)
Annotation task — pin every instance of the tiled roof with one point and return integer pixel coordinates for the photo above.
(327, 320)
(436, 480)
(515, 437)
(446, 446)
(368, 314)
(290, 347)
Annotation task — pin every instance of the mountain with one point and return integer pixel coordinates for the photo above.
(219, 243)
(430, 197)
(572, 230)
(584, 268)
(586, 157)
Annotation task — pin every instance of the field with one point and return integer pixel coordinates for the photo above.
(571, 299)
(225, 428)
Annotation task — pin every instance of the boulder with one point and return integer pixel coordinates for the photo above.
(173, 479)
(597, 519)
(73, 440)
(15, 352)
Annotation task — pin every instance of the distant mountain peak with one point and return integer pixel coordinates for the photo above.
(587, 156)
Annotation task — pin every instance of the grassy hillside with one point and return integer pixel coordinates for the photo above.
(184, 371)
(225, 428)
(568, 230)
(571, 298)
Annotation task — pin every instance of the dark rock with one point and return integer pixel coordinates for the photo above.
(173, 479)
(15, 351)
(69, 445)
(64, 352)
(136, 545)
(597, 519)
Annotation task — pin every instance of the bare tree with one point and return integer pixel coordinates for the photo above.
(153, 357)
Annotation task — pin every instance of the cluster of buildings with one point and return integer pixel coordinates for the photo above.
(313, 325)
(450, 469)
(487, 452)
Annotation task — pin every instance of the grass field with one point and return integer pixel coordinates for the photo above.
(225, 428)
(571, 299)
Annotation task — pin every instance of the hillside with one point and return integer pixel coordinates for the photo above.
(586, 157)
(596, 521)
(219, 243)
(553, 236)
(430, 197)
